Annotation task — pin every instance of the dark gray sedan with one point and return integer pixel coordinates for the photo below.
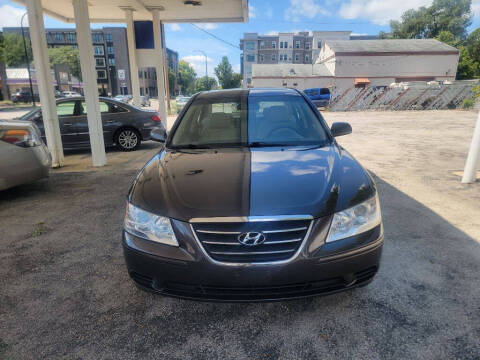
(124, 125)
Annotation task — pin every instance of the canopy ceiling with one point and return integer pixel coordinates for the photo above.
(105, 11)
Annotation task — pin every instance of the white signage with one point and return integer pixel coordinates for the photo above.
(121, 74)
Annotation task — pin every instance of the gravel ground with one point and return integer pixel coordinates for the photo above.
(65, 292)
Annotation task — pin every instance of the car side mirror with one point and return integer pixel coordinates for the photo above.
(340, 128)
(158, 134)
(37, 116)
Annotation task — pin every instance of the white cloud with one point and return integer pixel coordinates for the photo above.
(236, 68)
(11, 16)
(299, 9)
(379, 11)
(198, 63)
(251, 12)
(207, 26)
(272, 32)
(174, 27)
(476, 8)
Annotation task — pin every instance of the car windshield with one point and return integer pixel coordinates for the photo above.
(223, 120)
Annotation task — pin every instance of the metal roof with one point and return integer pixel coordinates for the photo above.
(290, 70)
(106, 11)
(389, 46)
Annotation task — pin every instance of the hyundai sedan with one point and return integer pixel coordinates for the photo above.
(252, 199)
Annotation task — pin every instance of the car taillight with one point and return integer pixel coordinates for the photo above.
(20, 137)
(156, 118)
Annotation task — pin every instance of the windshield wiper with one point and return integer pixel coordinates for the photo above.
(190, 146)
(266, 144)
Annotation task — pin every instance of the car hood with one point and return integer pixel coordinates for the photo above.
(257, 182)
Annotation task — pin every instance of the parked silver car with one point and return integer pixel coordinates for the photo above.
(24, 157)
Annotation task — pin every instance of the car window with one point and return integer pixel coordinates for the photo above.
(324, 91)
(283, 119)
(66, 108)
(217, 121)
(105, 107)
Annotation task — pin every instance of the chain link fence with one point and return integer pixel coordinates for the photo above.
(403, 96)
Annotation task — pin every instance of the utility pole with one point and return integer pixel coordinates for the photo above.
(207, 85)
(28, 61)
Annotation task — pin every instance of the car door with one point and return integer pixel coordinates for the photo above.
(67, 114)
(111, 114)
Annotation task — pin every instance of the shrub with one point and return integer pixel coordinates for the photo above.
(467, 104)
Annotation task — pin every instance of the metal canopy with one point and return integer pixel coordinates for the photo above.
(106, 11)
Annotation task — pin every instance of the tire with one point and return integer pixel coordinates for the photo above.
(127, 139)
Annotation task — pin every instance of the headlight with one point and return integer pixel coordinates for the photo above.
(355, 220)
(146, 225)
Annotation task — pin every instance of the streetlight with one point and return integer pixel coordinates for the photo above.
(28, 61)
(207, 85)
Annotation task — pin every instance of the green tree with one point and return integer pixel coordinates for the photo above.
(427, 22)
(14, 51)
(186, 77)
(66, 55)
(200, 84)
(226, 77)
(473, 44)
(467, 65)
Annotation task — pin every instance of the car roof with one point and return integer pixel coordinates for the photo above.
(251, 92)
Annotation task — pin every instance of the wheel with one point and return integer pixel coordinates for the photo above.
(127, 139)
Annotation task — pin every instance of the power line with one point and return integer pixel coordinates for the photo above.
(215, 36)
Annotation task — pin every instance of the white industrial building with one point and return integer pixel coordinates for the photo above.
(345, 63)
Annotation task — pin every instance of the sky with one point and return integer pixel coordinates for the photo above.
(265, 16)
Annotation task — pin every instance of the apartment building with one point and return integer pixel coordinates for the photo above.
(283, 48)
(111, 59)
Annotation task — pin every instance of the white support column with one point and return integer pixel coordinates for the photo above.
(132, 57)
(159, 66)
(89, 76)
(44, 81)
(473, 159)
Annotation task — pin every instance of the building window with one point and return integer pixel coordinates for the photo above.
(250, 45)
(140, 74)
(307, 45)
(111, 61)
(250, 58)
(97, 37)
(297, 44)
(110, 50)
(261, 57)
(262, 44)
(319, 44)
(57, 37)
(101, 74)
(297, 57)
(307, 58)
(274, 44)
(108, 37)
(98, 50)
(100, 62)
(285, 44)
(281, 44)
(71, 37)
(274, 57)
(74, 46)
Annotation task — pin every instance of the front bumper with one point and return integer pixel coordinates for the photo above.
(188, 272)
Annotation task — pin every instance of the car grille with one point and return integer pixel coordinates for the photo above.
(259, 293)
(282, 240)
